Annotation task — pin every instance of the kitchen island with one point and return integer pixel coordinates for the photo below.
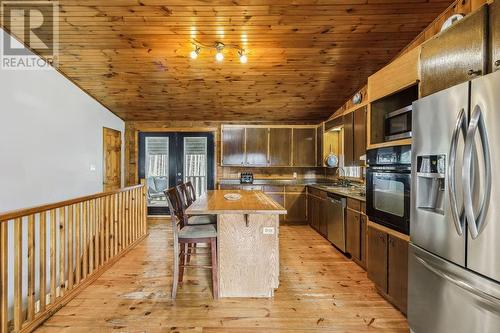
(247, 241)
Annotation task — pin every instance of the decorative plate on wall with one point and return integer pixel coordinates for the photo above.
(451, 20)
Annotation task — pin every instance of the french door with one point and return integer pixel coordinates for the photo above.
(167, 159)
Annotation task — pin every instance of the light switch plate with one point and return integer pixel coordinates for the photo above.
(268, 230)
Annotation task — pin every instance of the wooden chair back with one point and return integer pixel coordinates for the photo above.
(176, 206)
(190, 193)
(182, 192)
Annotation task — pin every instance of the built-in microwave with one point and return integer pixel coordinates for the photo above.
(398, 124)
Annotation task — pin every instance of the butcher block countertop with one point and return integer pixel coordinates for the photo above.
(251, 202)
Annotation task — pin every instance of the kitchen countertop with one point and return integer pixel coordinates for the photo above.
(325, 185)
(342, 191)
(251, 202)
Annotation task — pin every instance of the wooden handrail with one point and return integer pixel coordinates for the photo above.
(75, 242)
(10, 215)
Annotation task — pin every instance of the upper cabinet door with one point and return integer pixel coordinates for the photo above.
(359, 135)
(455, 55)
(256, 146)
(233, 145)
(304, 146)
(349, 139)
(280, 148)
(495, 35)
(319, 145)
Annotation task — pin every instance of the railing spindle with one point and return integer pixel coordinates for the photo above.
(101, 230)
(62, 250)
(78, 235)
(4, 255)
(92, 236)
(31, 267)
(115, 223)
(18, 274)
(127, 218)
(53, 274)
(85, 241)
(71, 236)
(43, 260)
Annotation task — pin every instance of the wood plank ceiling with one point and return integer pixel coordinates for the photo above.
(305, 57)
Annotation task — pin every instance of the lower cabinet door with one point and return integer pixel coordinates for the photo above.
(295, 204)
(321, 209)
(377, 258)
(362, 240)
(398, 272)
(353, 233)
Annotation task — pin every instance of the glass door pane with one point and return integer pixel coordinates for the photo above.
(157, 170)
(195, 163)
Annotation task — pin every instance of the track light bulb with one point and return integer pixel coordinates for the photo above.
(219, 56)
(194, 54)
(243, 58)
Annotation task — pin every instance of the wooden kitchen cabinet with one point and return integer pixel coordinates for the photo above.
(353, 234)
(398, 272)
(455, 55)
(397, 75)
(233, 146)
(354, 137)
(321, 217)
(494, 36)
(377, 258)
(319, 145)
(296, 206)
(359, 124)
(280, 148)
(256, 146)
(349, 139)
(304, 147)
(387, 263)
(363, 230)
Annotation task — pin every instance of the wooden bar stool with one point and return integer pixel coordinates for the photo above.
(183, 235)
(188, 196)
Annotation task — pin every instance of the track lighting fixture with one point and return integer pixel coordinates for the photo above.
(195, 52)
(219, 56)
(219, 51)
(243, 56)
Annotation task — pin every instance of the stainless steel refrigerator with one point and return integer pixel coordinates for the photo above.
(454, 259)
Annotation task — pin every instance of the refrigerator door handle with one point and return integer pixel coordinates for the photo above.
(492, 300)
(476, 223)
(460, 127)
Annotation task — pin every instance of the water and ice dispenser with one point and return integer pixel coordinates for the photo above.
(431, 172)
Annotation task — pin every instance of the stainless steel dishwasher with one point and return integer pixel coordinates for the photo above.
(335, 220)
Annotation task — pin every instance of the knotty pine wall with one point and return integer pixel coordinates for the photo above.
(132, 128)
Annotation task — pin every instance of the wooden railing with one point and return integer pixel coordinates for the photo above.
(65, 247)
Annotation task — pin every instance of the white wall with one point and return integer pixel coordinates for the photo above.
(50, 135)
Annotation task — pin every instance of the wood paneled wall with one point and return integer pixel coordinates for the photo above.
(132, 128)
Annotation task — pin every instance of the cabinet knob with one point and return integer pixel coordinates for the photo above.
(472, 72)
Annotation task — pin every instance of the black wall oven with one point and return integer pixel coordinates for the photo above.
(388, 179)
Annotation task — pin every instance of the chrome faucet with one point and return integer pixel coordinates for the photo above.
(342, 180)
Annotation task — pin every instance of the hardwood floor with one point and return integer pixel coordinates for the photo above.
(320, 291)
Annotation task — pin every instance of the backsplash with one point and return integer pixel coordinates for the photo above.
(272, 173)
